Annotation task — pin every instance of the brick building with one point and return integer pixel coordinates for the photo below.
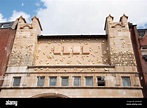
(139, 40)
(96, 66)
(7, 34)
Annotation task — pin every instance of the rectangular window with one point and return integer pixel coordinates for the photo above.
(53, 81)
(40, 80)
(77, 81)
(126, 81)
(16, 81)
(64, 81)
(101, 81)
(89, 81)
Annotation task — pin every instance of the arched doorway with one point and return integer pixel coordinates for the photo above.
(49, 95)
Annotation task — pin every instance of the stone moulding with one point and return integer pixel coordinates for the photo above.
(72, 66)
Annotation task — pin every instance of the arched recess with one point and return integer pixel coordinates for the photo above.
(49, 95)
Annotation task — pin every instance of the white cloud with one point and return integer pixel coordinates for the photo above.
(2, 19)
(37, 4)
(17, 14)
(88, 16)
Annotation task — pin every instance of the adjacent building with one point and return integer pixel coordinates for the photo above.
(7, 34)
(72, 66)
(139, 40)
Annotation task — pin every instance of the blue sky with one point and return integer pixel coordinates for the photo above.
(29, 6)
(74, 16)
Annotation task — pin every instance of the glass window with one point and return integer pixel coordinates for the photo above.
(89, 81)
(126, 81)
(145, 57)
(16, 81)
(64, 81)
(40, 81)
(101, 81)
(52, 81)
(77, 81)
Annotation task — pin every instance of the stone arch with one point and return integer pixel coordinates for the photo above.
(49, 95)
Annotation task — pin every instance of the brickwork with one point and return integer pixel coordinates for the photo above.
(6, 41)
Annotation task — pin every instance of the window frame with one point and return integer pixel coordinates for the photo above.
(101, 82)
(67, 81)
(129, 83)
(79, 81)
(38, 84)
(52, 82)
(86, 80)
(19, 80)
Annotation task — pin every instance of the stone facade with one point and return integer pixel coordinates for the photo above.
(96, 66)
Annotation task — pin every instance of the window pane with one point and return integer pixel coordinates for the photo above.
(16, 81)
(126, 81)
(101, 81)
(89, 81)
(40, 81)
(77, 81)
(64, 81)
(53, 81)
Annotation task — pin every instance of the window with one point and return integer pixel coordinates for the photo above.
(40, 81)
(64, 81)
(101, 81)
(16, 81)
(126, 81)
(77, 81)
(145, 57)
(52, 81)
(89, 81)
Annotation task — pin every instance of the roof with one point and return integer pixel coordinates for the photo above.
(141, 32)
(71, 36)
(6, 24)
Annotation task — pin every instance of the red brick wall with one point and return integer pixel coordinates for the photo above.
(141, 64)
(143, 41)
(6, 43)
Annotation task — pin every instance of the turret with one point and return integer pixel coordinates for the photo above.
(25, 42)
(119, 40)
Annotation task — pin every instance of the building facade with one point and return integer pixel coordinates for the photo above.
(72, 66)
(7, 34)
(139, 40)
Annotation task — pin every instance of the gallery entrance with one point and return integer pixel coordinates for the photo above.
(49, 95)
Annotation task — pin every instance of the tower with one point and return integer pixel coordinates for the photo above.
(119, 40)
(25, 43)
